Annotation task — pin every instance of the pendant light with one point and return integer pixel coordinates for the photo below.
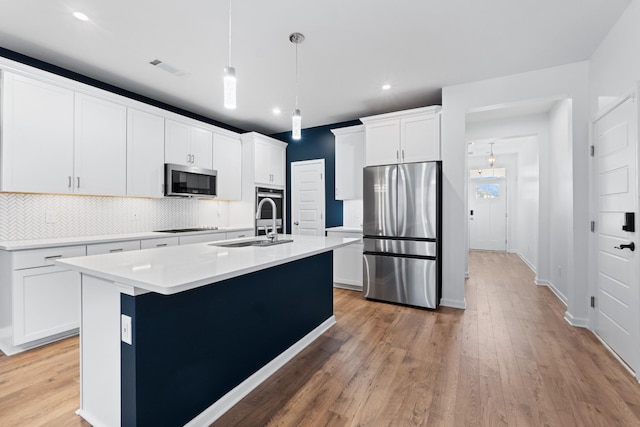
(492, 159)
(229, 76)
(296, 119)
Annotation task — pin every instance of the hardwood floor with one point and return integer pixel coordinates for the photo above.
(509, 359)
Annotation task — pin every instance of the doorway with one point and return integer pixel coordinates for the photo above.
(488, 210)
(308, 198)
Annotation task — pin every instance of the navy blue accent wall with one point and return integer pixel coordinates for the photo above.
(191, 348)
(36, 63)
(316, 143)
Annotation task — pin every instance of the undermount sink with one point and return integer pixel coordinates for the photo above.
(261, 243)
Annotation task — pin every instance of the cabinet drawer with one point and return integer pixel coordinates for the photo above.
(44, 257)
(240, 233)
(159, 243)
(105, 248)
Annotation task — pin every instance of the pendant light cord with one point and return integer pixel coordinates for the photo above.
(296, 76)
(229, 32)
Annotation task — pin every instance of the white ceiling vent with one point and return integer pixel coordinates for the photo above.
(168, 68)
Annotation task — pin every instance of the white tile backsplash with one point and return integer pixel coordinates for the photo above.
(352, 213)
(36, 216)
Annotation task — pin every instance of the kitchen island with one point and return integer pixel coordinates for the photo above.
(178, 335)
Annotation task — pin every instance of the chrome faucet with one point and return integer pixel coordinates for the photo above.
(273, 236)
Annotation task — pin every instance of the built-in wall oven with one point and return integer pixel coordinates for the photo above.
(266, 212)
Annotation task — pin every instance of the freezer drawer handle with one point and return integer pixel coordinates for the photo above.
(390, 254)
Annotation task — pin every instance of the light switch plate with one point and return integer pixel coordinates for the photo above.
(125, 333)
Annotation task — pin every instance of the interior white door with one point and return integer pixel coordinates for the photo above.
(307, 198)
(488, 214)
(617, 318)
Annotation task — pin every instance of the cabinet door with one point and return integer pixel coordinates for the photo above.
(349, 164)
(277, 164)
(176, 143)
(100, 147)
(382, 142)
(46, 301)
(261, 162)
(420, 138)
(145, 154)
(227, 160)
(201, 147)
(37, 136)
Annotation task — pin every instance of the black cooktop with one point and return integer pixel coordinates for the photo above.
(186, 230)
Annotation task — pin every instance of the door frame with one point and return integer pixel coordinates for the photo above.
(323, 194)
(594, 210)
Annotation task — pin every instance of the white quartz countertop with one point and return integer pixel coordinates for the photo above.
(19, 245)
(174, 269)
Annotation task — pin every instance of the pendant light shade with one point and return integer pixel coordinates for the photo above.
(492, 159)
(296, 119)
(296, 125)
(229, 88)
(229, 76)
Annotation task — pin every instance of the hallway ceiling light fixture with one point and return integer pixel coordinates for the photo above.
(492, 159)
(296, 119)
(229, 76)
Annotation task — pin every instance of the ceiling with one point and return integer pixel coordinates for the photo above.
(351, 49)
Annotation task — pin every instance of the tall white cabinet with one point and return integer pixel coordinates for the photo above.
(32, 112)
(349, 162)
(403, 136)
(145, 154)
(227, 161)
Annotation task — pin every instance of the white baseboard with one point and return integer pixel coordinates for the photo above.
(349, 286)
(579, 322)
(226, 402)
(453, 303)
(636, 375)
(526, 261)
(9, 349)
(541, 282)
(553, 288)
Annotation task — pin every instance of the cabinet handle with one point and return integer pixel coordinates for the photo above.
(116, 250)
(161, 245)
(69, 181)
(78, 178)
(193, 158)
(53, 257)
(397, 155)
(403, 154)
(188, 158)
(241, 235)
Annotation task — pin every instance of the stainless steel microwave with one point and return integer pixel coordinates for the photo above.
(189, 181)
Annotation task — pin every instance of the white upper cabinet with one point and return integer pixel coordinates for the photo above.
(268, 159)
(37, 136)
(403, 136)
(188, 145)
(227, 161)
(100, 147)
(145, 154)
(349, 162)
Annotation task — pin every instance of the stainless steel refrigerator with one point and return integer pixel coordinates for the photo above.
(402, 228)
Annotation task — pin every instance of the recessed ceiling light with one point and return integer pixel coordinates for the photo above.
(386, 86)
(81, 16)
(276, 111)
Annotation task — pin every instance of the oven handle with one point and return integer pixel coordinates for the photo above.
(271, 195)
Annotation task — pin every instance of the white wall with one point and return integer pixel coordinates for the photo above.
(569, 81)
(615, 65)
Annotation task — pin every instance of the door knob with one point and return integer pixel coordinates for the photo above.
(631, 246)
(296, 223)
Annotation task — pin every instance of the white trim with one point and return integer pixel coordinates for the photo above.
(226, 402)
(349, 286)
(578, 322)
(461, 304)
(433, 109)
(615, 355)
(526, 261)
(612, 106)
(88, 418)
(541, 282)
(557, 293)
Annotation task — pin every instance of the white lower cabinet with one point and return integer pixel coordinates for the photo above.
(240, 233)
(40, 302)
(159, 243)
(113, 247)
(347, 262)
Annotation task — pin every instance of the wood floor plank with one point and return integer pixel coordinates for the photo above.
(509, 359)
